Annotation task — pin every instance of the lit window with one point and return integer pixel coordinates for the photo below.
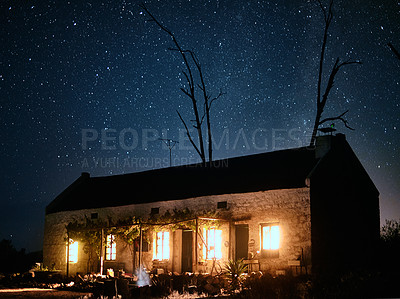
(270, 237)
(213, 239)
(111, 248)
(161, 246)
(73, 251)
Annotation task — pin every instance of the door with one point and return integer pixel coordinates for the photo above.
(241, 241)
(187, 250)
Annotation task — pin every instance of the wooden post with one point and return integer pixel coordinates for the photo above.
(140, 247)
(67, 253)
(196, 245)
(230, 253)
(134, 256)
(101, 252)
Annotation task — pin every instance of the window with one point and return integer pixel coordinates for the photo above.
(222, 205)
(73, 251)
(94, 216)
(161, 246)
(270, 238)
(155, 211)
(111, 248)
(213, 239)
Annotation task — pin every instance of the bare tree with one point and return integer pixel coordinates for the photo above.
(192, 65)
(322, 98)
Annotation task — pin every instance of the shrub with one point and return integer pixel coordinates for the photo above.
(259, 285)
(234, 270)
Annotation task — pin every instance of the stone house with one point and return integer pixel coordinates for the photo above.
(292, 210)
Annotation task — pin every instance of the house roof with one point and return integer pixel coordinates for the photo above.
(266, 171)
(340, 163)
(282, 169)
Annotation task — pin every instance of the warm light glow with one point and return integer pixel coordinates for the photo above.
(270, 236)
(111, 248)
(213, 239)
(73, 251)
(161, 246)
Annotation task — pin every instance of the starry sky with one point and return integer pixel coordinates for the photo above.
(90, 86)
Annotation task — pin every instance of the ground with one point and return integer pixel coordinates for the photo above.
(40, 293)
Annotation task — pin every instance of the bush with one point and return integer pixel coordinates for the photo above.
(234, 270)
(389, 257)
(161, 285)
(357, 284)
(259, 285)
(14, 261)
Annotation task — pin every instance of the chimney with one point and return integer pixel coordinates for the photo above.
(85, 175)
(324, 143)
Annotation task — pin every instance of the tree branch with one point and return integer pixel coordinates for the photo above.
(328, 19)
(188, 80)
(322, 99)
(327, 16)
(185, 92)
(349, 61)
(188, 134)
(394, 50)
(216, 98)
(339, 117)
(206, 103)
(331, 81)
(189, 77)
(204, 113)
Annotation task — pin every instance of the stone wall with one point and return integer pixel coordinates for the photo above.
(290, 208)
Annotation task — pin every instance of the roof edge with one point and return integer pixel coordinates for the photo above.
(84, 177)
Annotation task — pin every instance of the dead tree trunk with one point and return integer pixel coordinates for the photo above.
(321, 100)
(189, 58)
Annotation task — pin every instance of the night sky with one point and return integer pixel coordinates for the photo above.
(71, 70)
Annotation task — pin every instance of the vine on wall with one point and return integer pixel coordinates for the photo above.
(89, 231)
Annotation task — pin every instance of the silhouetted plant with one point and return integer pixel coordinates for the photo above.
(161, 285)
(259, 285)
(12, 260)
(389, 258)
(390, 232)
(234, 270)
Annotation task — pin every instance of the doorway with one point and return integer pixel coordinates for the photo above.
(241, 241)
(187, 250)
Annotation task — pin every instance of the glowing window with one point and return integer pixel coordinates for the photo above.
(270, 237)
(73, 251)
(213, 239)
(161, 246)
(111, 248)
